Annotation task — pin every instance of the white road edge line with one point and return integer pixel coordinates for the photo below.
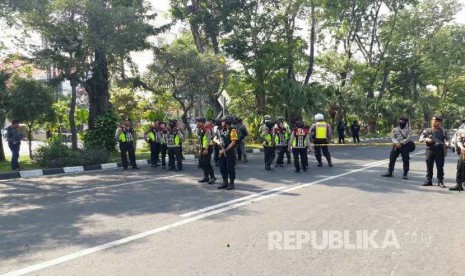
(121, 184)
(203, 210)
(145, 234)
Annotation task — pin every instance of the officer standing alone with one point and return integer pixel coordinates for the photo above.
(321, 134)
(436, 139)
(401, 137)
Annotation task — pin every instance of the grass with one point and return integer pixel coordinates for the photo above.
(24, 161)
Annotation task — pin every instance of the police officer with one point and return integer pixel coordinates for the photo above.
(263, 123)
(321, 134)
(299, 143)
(355, 129)
(174, 141)
(206, 149)
(216, 148)
(436, 139)
(281, 141)
(460, 150)
(152, 137)
(226, 139)
(401, 138)
(163, 136)
(125, 137)
(243, 133)
(341, 127)
(268, 143)
(288, 130)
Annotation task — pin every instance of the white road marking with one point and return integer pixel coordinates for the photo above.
(203, 210)
(122, 184)
(367, 147)
(145, 234)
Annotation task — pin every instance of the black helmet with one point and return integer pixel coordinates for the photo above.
(228, 119)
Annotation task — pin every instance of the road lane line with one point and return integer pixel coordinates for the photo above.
(145, 234)
(122, 184)
(203, 210)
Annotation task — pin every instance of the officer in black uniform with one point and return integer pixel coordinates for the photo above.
(436, 139)
(226, 139)
(402, 144)
(460, 150)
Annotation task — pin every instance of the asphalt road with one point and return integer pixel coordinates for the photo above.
(152, 222)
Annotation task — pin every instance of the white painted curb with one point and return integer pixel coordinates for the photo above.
(33, 173)
(77, 169)
(108, 166)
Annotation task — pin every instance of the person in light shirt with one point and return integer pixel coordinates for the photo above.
(401, 137)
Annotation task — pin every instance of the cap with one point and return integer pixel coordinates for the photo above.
(437, 118)
(201, 120)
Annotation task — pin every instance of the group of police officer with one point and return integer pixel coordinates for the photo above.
(437, 142)
(227, 137)
(278, 137)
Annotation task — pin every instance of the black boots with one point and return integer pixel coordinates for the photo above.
(388, 174)
(225, 184)
(231, 185)
(457, 187)
(212, 180)
(441, 184)
(428, 182)
(204, 179)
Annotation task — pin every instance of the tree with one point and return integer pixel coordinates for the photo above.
(3, 108)
(87, 39)
(30, 102)
(179, 69)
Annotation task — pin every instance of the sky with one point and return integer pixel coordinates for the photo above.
(144, 58)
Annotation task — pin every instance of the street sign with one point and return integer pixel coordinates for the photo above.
(224, 99)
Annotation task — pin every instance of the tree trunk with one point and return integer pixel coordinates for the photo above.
(186, 123)
(311, 62)
(72, 121)
(97, 88)
(29, 138)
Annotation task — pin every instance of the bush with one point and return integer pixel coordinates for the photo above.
(55, 154)
(103, 134)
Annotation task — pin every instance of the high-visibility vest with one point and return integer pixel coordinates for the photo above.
(321, 130)
(300, 136)
(281, 137)
(151, 136)
(122, 137)
(203, 139)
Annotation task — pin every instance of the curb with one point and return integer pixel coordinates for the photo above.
(87, 168)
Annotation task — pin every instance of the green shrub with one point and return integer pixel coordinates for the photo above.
(103, 134)
(55, 154)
